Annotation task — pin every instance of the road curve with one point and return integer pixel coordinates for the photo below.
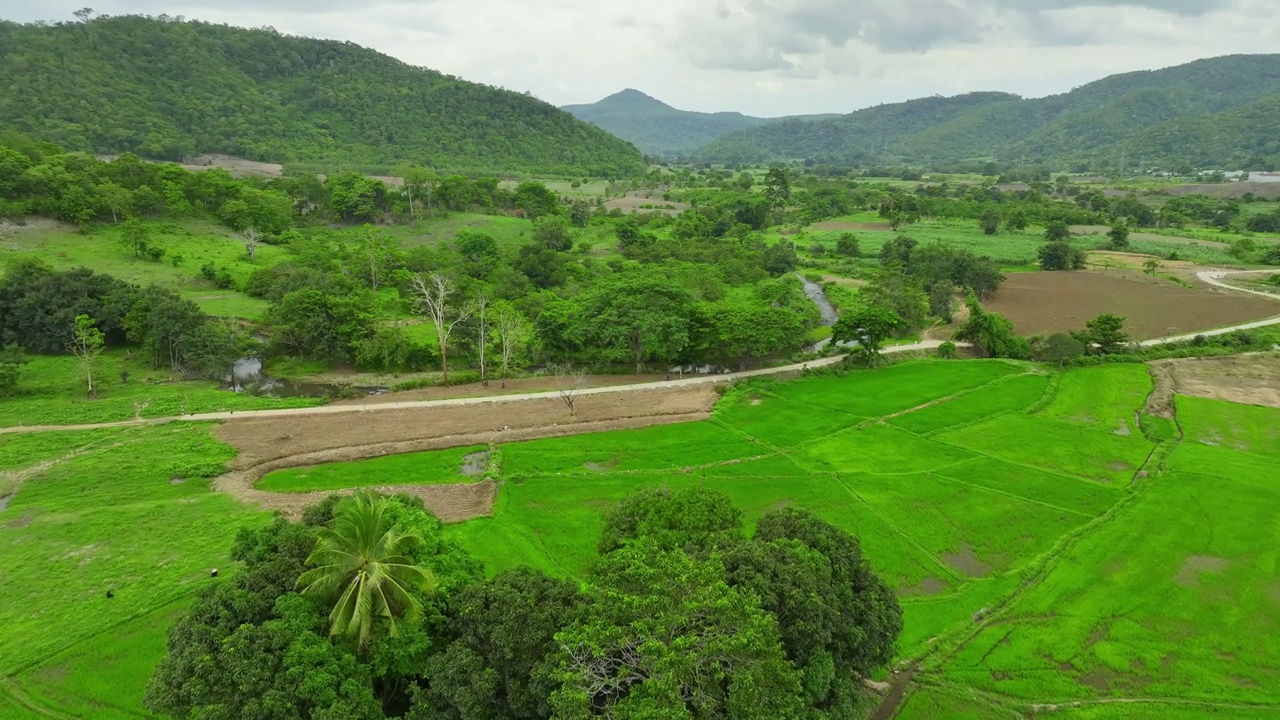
(410, 405)
(1214, 277)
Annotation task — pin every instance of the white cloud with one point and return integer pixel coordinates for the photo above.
(764, 57)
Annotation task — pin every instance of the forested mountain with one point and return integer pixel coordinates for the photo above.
(1206, 113)
(165, 88)
(659, 129)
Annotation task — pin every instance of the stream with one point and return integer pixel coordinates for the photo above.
(247, 377)
(829, 316)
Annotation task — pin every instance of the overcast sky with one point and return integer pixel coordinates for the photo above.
(761, 57)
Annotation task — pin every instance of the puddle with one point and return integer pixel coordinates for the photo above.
(4, 502)
(177, 480)
(475, 463)
(966, 562)
(1123, 429)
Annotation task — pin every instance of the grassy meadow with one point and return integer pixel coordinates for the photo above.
(1045, 550)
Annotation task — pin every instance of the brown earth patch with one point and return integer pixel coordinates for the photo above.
(268, 438)
(928, 587)
(839, 226)
(850, 282)
(967, 562)
(1193, 566)
(512, 386)
(1251, 379)
(275, 443)
(1115, 258)
(1049, 302)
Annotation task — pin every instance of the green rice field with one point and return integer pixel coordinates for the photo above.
(1052, 559)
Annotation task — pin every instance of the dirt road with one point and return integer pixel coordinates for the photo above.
(490, 400)
(1214, 277)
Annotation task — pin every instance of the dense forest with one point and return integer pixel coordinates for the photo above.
(1209, 113)
(659, 129)
(165, 88)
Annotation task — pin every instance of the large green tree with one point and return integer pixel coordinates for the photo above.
(637, 313)
(665, 636)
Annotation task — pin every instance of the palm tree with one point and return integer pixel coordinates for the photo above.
(362, 561)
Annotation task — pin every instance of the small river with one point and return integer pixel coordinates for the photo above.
(829, 315)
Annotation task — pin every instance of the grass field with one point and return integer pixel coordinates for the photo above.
(51, 391)
(125, 510)
(1044, 550)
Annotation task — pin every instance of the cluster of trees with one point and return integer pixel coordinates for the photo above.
(684, 615)
(83, 312)
(167, 88)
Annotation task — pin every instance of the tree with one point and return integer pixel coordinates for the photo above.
(666, 637)
(362, 566)
(251, 240)
(1061, 255)
(671, 520)
(635, 313)
(1151, 266)
(480, 309)
(434, 292)
(847, 246)
(1061, 348)
(1119, 235)
(136, 237)
(552, 232)
(86, 345)
(868, 326)
(513, 331)
(940, 301)
(1106, 332)
(569, 382)
(1057, 230)
(374, 254)
(990, 221)
(321, 325)
(777, 187)
(780, 258)
(992, 333)
(1018, 221)
(11, 362)
(501, 663)
(741, 331)
(902, 294)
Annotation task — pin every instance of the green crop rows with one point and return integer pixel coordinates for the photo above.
(1046, 551)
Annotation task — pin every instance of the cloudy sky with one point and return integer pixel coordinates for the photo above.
(762, 57)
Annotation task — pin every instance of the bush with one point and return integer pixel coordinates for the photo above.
(947, 350)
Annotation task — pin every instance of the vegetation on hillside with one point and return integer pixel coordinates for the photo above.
(1209, 113)
(167, 88)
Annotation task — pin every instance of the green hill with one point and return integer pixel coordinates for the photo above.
(1209, 112)
(167, 88)
(659, 129)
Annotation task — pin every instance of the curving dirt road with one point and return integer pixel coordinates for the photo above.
(1214, 277)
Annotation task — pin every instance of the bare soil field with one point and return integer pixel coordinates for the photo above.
(1048, 302)
(1252, 379)
(270, 438)
(838, 226)
(634, 201)
(267, 444)
(513, 386)
(1267, 191)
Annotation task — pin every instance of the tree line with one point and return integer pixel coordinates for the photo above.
(684, 614)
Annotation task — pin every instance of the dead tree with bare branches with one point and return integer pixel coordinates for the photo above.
(569, 383)
(434, 292)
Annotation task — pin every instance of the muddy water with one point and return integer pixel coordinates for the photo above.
(4, 501)
(819, 298)
(247, 377)
(829, 315)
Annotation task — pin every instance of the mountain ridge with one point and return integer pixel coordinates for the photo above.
(1118, 119)
(661, 129)
(166, 87)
